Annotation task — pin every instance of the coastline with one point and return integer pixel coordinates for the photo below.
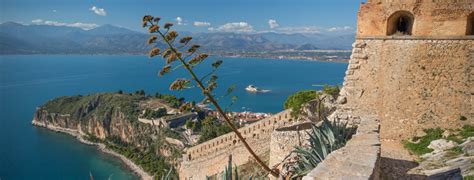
(291, 58)
(130, 164)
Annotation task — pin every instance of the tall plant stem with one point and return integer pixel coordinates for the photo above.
(219, 109)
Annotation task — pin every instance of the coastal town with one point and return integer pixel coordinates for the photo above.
(309, 55)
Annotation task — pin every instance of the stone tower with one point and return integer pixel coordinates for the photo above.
(413, 65)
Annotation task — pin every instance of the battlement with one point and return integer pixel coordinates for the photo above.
(432, 18)
(255, 130)
(209, 157)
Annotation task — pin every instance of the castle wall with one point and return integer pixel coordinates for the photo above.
(431, 17)
(412, 83)
(211, 157)
(284, 140)
(359, 159)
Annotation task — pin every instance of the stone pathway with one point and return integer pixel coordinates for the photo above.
(396, 161)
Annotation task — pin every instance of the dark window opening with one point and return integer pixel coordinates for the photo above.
(470, 25)
(400, 23)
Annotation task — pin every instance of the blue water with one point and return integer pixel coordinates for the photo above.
(27, 152)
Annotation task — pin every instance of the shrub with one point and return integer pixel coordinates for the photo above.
(467, 131)
(211, 129)
(421, 147)
(172, 100)
(154, 114)
(297, 100)
(331, 90)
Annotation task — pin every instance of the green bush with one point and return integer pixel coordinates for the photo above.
(421, 147)
(172, 100)
(211, 129)
(331, 90)
(140, 92)
(195, 126)
(147, 159)
(154, 114)
(468, 178)
(170, 133)
(467, 131)
(297, 100)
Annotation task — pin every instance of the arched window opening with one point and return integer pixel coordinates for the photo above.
(470, 25)
(400, 23)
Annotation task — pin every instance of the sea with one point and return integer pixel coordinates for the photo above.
(28, 81)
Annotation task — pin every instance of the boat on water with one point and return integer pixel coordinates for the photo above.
(253, 89)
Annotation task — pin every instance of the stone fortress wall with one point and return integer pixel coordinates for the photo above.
(413, 85)
(211, 157)
(420, 80)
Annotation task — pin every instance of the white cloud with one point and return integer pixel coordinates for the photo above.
(85, 26)
(98, 11)
(339, 29)
(273, 24)
(234, 27)
(180, 21)
(201, 24)
(54, 11)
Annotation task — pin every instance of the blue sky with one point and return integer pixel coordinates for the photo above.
(310, 16)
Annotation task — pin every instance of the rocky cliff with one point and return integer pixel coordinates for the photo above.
(102, 116)
(112, 119)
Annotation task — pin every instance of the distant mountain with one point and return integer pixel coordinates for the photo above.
(108, 39)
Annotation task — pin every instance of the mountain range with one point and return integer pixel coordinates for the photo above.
(108, 39)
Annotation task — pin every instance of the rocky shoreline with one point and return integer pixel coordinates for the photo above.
(79, 136)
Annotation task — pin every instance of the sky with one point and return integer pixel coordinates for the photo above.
(244, 16)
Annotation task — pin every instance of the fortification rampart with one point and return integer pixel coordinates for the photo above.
(412, 83)
(210, 157)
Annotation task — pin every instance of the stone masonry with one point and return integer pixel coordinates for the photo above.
(210, 157)
(359, 159)
(412, 84)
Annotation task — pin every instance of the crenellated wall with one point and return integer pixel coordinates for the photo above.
(210, 157)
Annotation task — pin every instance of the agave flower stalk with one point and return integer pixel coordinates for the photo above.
(172, 53)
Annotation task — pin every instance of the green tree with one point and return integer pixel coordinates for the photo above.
(297, 100)
(331, 90)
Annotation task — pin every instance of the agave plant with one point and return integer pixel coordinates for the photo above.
(227, 173)
(168, 175)
(183, 54)
(323, 140)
